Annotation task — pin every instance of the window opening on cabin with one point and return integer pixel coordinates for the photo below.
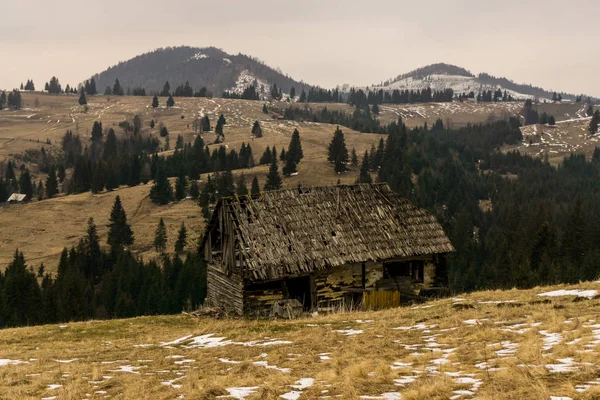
(413, 270)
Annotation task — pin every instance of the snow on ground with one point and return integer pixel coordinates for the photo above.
(574, 292)
(239, 392)
(458, 83)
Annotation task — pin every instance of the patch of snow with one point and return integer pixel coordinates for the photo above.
(239, 392)
(54, 386)
(350, 332)
(127, 368)
(404, 380)
(573, 292)
(6, 361)
(266, 365)
(66, 361)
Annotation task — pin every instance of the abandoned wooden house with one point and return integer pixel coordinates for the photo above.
(323, 248)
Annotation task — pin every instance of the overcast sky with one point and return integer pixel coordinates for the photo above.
(553, 44)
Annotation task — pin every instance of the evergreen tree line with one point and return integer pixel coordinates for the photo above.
(541, 228)
(110, 162)
(361, 99)
(12, 100)
(95, 284)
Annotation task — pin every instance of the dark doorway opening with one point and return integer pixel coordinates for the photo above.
(300, 289)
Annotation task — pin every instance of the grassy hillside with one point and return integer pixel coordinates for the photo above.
(42, 229)
(490, 345)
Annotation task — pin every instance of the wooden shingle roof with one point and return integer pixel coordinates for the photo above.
(294, 231)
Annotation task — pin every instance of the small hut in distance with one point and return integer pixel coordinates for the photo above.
(321, 248)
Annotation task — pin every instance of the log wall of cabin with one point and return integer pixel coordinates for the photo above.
(332, 286)
(224, 291)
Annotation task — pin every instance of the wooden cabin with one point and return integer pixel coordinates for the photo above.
(323, 248)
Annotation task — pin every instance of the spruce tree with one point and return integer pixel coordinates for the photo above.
(181, 239)
(365, 176)
(82, 99)
(166, 91)
(353, 158)
(257, 130)
(242, 189)
(160, 237)
(154, 105)
(119, 231)
(40, 191)
(205, 123)
(255, 188)
(273, 178)
(290, 166)
(180, 187)
(25, 185)
(161, 192)
(295, 147)
(267, 157)
(337, 151)
(595, 122)
(51, 183)
(194, 190)
(265, 110)
(170, 101)
(282, 155)
(117, 89)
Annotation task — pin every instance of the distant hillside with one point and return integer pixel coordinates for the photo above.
(443, 76)
(209, 67)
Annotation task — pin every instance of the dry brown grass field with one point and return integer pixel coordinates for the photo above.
(511, 344)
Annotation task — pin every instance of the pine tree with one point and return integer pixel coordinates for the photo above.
(267, 157)
(180, 187)
(292, 93)
(337, 151)
(170, 101)
(166, 91)
(62, 173)
(2, 99)
(375, 109)
(354, 158)
(265, 110)
(194, 190)
(51, 183)
(282, 155)
(290, 166)
(255, 187)
(181, 239)
(119, 231)
(242, 190)
(257, 130)
(117, 89)
(205, 124)
(302, 98)
(595, 122)
(25, 185)
(160, 237)
(364, 175)
(82, 99)
(154, 105)
(295, 147)
(161, 192)
(273, 178)
(40, 191)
